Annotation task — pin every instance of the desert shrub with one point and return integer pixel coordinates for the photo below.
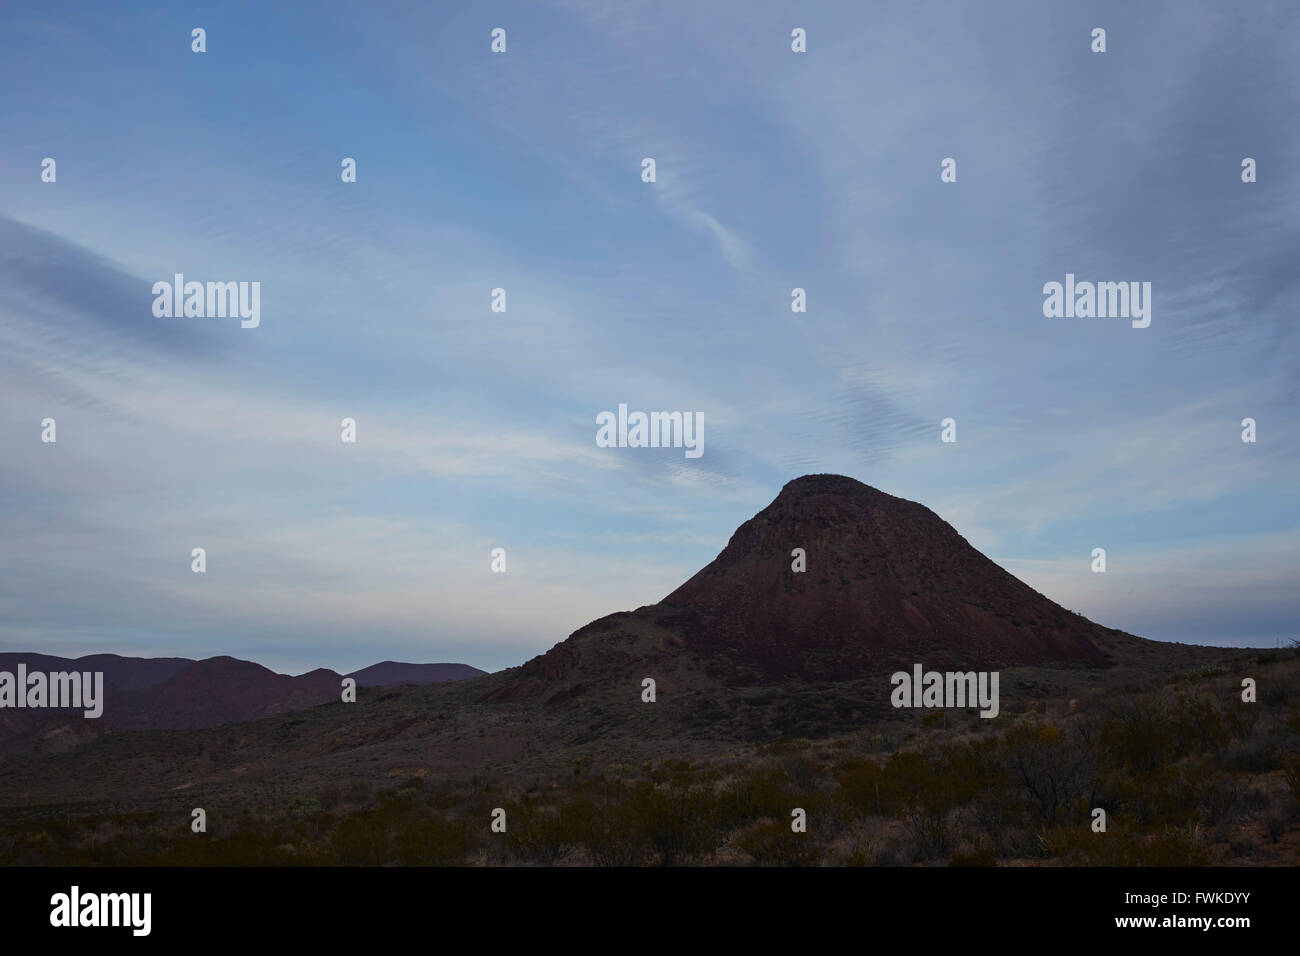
(1163, 796)
(802, 772)
(1240, 718)
(1275, 826)
(1124, 845)
(773, 843)
(547, 835)
(1173, 846)
(1253, 756)
(1141, 740)
(764, 792)
(1051, 771)
(673, 823)
(865, 787)
(360, 791)
(1201, 673)
(612, 837)
(243, 847)
(400, 799)
(976, 856)
(1218, 797)
(673, 773)
(431, 841)
(1244, 848)
(361, 839)
(1203, 726)
(305, 809)
(922, 790)
(1291, 772)
(927, 793)
(859, 848)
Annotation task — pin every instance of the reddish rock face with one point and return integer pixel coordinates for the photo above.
(887, 581)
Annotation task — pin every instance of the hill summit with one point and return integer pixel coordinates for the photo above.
(886, 579)
(885, 583)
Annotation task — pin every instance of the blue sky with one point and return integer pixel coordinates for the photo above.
(523, 171)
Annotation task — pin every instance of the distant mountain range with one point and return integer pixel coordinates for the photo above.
(176, 693)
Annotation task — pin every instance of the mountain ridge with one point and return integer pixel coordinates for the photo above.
(176, 693)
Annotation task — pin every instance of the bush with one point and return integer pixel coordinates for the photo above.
(361, 839)
(1124, 845)
(980, 856)
(433, 841)
(1052, 771)
(1291, 771)
(773, 843)
(673, 823)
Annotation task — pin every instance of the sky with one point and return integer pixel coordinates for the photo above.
(522, 170)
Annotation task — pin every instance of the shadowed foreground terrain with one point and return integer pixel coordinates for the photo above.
(764, 704)
(1187, 773)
